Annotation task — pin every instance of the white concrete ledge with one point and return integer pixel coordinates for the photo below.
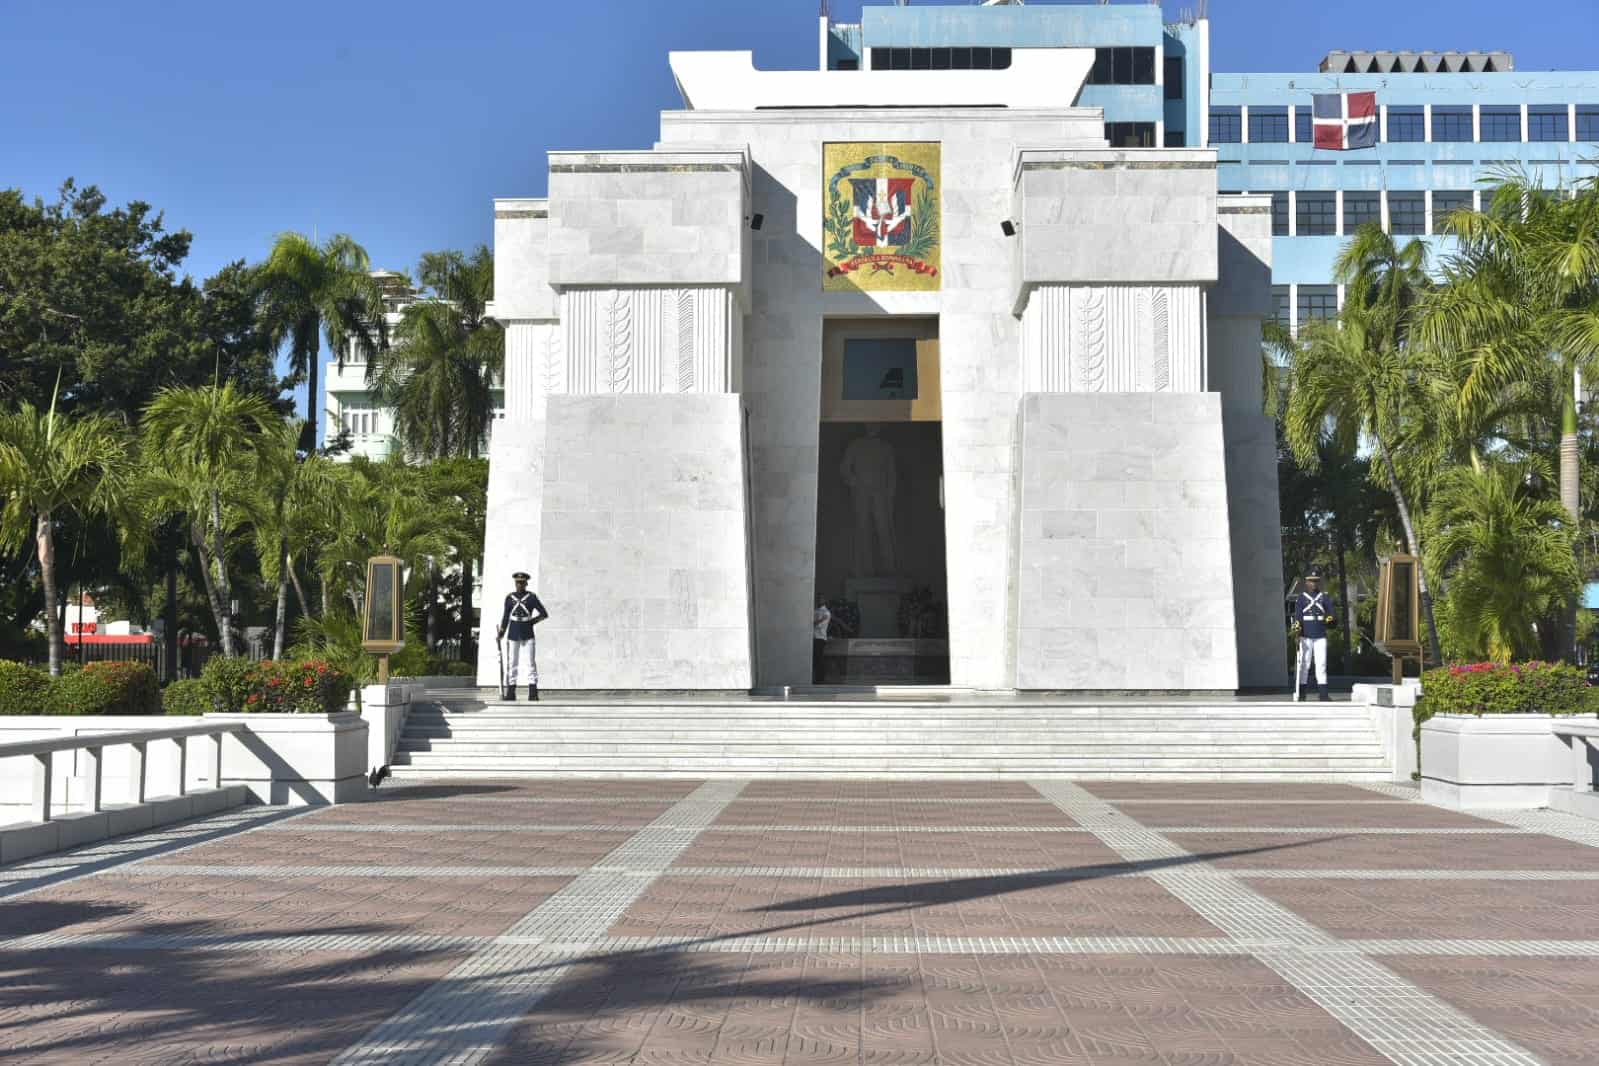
(18, 842)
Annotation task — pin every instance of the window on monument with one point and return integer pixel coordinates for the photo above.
(1501, 123)
(1547, 122)
(1407, 213)
(1226, 125)
(1316, 214)
(1317, 303)
(1279, 214)
(1173, 77)
(1281, 307)
(899, 58)
(1445, 204)
(1304, 132)
(942, 58)
(1130, 134)
(1587, 123)
(1451, 124)
(960, 59)
(921, 59)
(1268, 125)
(1002, 59)
(1361, 208)
(849, 64)
(1406, 124)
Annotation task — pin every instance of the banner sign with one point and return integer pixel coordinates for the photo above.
(880, 217)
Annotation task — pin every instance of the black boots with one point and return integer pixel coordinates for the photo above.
(533, 693)
(508, 693)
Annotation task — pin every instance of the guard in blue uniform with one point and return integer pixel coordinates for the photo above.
(522, 612)
(1313, 613)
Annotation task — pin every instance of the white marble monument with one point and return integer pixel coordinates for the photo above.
(1108, 487)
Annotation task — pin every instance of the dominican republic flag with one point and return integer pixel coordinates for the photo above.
(1345, 120)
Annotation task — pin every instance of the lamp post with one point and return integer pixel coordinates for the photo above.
(383, 614)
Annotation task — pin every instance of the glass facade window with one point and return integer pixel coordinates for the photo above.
(1452, 124)
(1281, 305)
(1446, 203)
(1279, 214)
(940, 58)
(1587, 123)
(1130, 134)
(1304, 131)
(1547, 122)
(1407, 213)
(1122, 66)
(1361, 208)
(1406, 125)
(1317, 303)
(1315, 214)
(1501, 123)
(1268, 125)
(1226, 125)
(1173, 76)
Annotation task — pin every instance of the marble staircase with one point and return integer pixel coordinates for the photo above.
(468, 735)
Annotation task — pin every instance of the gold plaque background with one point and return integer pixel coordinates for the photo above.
(912, 267)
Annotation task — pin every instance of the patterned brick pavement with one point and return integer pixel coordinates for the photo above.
(791, 922)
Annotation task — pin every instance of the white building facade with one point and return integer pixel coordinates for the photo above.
(917, 344)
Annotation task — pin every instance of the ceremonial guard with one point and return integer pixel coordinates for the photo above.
(1314, 611)
(522, 612)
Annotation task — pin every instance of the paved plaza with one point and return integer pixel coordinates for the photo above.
(790, 921)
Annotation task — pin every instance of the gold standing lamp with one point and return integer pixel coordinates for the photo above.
(1399, 611)
(383, 620)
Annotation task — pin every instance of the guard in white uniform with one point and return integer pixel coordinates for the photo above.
(522, 612)
(1314, 612)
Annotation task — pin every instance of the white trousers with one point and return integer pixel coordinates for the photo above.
(521, 669)
(1313, 650)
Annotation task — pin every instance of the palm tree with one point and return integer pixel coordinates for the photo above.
(1351, 383)
(1384, 279)
(309, 291)
(288, 496)
(1508, 555)
(439, 375)
(1521, 298)
(51, 467)
(203, 445)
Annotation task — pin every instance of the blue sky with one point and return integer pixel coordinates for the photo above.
(398, 122)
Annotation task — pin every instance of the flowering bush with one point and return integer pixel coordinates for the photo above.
(1499, 688)
(310, 686)
(226, 683)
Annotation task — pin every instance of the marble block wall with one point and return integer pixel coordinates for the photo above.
(511, 537)
(1257, 544)
(643, 544)
(1124, 561)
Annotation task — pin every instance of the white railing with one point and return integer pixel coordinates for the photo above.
(1582, 735)
(92, 744)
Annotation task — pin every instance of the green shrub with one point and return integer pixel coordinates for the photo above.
(452, 668)
(1496, 688)
(189, 697)
(106, 688)
(23, 689)
(309, 687)
(227, 682)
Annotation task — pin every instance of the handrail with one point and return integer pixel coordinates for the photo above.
(91, 744)
(103, 740)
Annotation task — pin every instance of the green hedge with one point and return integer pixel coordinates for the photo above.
(105, 688)
(1497, 688)
(227, 683)
(190, 697)
(23, 689)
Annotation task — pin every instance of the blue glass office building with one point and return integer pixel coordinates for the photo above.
(1447, 120)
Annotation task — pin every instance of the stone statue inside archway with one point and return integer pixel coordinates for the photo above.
(870, 472)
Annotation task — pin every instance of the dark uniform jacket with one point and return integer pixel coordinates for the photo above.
(522, 609)
(1314, 613)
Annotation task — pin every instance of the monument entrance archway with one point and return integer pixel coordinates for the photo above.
(880, 564)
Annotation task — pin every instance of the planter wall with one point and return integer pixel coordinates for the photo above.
(297, 759)
(1498, 760)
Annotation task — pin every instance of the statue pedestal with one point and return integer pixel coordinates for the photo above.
(878, 598)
